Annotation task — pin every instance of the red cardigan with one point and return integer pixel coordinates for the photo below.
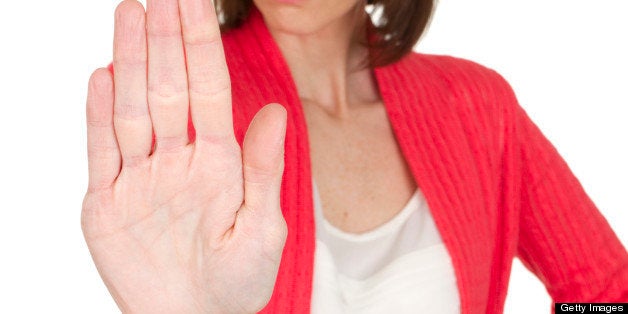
(494, 184)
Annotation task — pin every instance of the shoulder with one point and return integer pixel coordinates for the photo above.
(461, 75)
(460, 85)
(473, 97)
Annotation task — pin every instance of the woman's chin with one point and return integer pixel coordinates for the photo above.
(292, 21)
(303, 17)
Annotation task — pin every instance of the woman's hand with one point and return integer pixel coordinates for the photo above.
(179, 227)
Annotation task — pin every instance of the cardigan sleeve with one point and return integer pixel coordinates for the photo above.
(563, 238)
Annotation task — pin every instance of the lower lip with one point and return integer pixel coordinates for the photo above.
(289, 1)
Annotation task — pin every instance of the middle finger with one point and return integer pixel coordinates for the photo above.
(167, 77)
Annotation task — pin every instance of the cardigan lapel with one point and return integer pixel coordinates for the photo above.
(426, 123)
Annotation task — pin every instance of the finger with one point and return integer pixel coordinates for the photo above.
(102, 148)
(131, 116)
(263, 158)
(208, 76)
(167, 78)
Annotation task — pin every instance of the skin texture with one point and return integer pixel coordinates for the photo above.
(186, 228)
(366, 185)
(183, 227)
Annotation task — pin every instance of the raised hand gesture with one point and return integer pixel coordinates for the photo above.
(174, 226)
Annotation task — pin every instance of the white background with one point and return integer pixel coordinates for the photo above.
(565, 59)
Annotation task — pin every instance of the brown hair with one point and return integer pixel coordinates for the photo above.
(399, 25)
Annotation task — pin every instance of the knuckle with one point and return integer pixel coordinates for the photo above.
(166, 94)
(135, 161)
(102, 149)
(95, 187)
(170, 144)
(129, 59)
(203, 37)
(282, 231)
(165, 85)
(200, 88)
(162, 33)
(274, 241)
(161, 26)
(221, 144)
(127, 110)
(96, 123)
(259, 175)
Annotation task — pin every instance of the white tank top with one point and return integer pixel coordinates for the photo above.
(401, 266)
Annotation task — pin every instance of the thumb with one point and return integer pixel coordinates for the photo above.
(263, 158)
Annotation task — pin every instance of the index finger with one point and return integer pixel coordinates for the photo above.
(208, 76)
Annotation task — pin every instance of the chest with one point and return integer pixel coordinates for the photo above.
(361, 174)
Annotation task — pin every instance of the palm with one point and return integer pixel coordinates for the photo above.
(184, 227)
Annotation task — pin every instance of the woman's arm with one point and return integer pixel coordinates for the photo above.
(564, 239)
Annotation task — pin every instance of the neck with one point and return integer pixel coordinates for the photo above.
(328, 65)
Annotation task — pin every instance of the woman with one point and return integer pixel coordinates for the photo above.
(194, 206)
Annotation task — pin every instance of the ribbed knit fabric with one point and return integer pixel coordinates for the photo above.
(495, 186)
